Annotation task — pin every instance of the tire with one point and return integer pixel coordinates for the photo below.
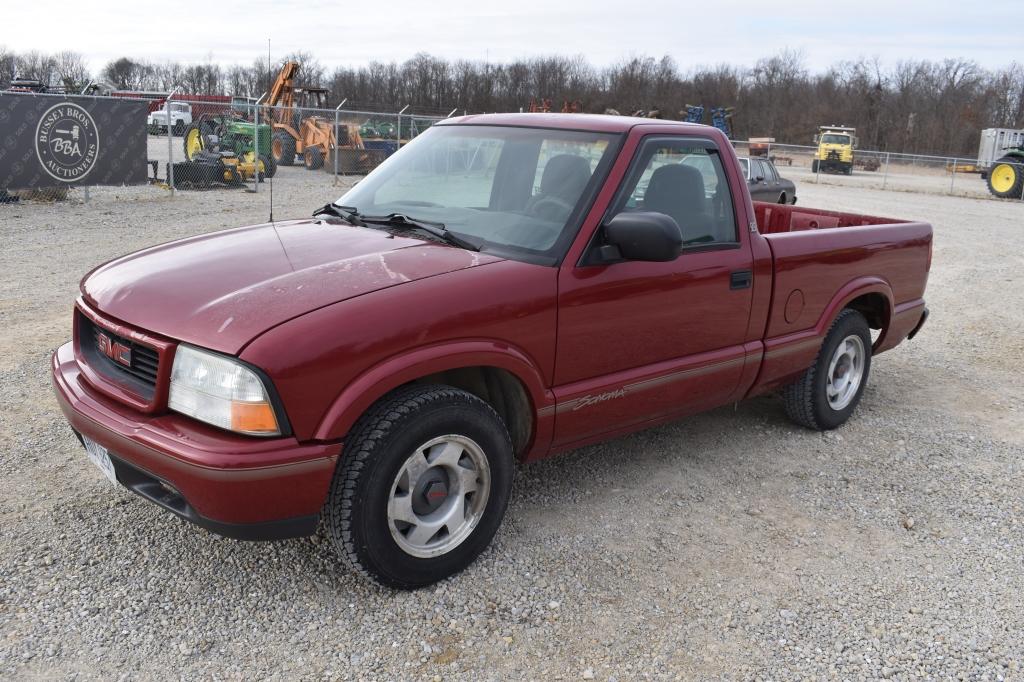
(313, 158)
(814, 166)
(807, 399)
(782, 198)
(848, 170)
(369, 479)
(1005, 179)
(269, 167)
(192, 140)
(282, 148)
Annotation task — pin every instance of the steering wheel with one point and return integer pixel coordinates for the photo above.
(551, 207)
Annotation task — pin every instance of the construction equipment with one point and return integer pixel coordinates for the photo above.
(835, 150)
(299, 133)
(721, 118)
(1001, 161)
(219, 149)
(230, 133)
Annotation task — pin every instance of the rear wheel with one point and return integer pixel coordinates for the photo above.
(814, 166)
(193, 140)
(282, 148)
(827, 393)
(313, 158)
(782, 198)
(1006, 177)
(422, 486)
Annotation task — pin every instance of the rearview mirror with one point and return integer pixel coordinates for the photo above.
(644, 236)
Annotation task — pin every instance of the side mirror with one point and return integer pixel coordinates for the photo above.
(759, 178)
(644, 236)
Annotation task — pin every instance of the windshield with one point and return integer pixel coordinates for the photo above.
(518, 191)
(835, 139)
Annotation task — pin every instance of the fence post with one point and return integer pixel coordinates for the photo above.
(398, 137)
(170, 150)
(337, 137)
(952, 179)
(256, 146)
(885, 173)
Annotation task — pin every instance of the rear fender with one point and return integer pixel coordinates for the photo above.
(853, 290)
(389, 374)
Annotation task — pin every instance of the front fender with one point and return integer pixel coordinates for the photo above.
(401, 369)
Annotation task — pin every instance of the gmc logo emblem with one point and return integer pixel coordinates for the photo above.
(115, 350)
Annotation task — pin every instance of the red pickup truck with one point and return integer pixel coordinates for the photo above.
(504, 288)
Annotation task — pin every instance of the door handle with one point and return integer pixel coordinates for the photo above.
(740, 279)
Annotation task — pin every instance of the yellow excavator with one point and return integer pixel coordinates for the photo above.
(298, 132)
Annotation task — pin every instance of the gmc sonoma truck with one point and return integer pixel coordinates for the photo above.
(504, 288)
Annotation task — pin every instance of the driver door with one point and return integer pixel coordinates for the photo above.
(643, 341)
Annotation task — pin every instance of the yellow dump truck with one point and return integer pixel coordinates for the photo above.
(835, 150)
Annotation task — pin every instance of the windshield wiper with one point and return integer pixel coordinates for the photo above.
(402, 221)
(347, 213)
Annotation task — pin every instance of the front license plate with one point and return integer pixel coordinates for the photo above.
(99, 456)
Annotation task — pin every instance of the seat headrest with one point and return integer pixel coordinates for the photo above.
(675, 185)
(565, 176)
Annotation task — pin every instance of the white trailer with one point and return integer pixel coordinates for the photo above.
(995, 142)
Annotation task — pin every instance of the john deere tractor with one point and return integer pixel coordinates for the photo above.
(227, 140)
(1006, 174)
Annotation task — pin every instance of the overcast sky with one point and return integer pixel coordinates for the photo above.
(604, 31)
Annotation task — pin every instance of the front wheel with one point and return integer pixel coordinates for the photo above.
(422, 486)
(828, 391)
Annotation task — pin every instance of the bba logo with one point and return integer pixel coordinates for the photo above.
(67, 142)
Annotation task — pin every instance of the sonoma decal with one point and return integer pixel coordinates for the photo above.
(67, 142)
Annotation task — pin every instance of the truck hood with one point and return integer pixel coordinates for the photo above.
(223, 289)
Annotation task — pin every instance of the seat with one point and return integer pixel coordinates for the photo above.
(678, 191)
(564, 178)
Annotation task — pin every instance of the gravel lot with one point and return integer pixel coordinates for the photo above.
(731, 545)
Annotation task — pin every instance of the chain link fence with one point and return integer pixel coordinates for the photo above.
(920, 173)
(217, 143)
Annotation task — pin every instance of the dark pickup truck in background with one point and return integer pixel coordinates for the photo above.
(504, 288)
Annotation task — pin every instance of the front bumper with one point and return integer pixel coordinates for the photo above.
(240, 487)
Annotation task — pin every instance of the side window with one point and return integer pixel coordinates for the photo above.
(769, 172)
(687, 182)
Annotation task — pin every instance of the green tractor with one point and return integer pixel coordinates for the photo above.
(231, 136)
(1006, 174)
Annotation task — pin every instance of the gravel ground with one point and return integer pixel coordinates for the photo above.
(731, 545)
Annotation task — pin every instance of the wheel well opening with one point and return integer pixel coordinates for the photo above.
(875, 309)
(501, 390)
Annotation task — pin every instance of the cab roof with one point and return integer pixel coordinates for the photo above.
(599, 123)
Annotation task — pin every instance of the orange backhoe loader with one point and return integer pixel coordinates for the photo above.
(300, 132)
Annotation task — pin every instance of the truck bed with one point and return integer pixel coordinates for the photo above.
(775, 218)
(818, 256)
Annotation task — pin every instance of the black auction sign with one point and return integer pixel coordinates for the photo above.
(56, 141)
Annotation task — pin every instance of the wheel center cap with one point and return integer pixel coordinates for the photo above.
(431, 493)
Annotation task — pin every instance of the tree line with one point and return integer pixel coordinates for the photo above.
(912, 106)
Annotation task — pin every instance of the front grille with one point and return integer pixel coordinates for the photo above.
(141, 372)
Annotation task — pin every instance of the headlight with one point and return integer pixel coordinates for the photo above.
(221, 391)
